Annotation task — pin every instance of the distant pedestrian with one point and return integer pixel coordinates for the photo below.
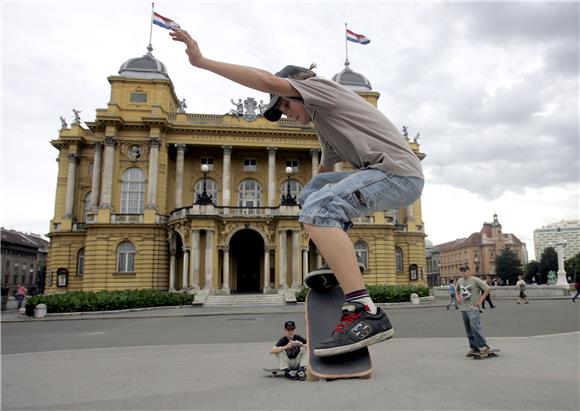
(577, 286)
(471, 292)
(452, 295)
(20, 294)
(521, 284)
(488, 298)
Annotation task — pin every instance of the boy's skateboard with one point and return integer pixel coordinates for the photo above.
(491, 353)
(275, 372)
(323, 312)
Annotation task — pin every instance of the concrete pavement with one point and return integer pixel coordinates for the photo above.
(537, 373)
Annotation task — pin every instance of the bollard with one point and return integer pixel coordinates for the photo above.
(40, 311)
(415, 298)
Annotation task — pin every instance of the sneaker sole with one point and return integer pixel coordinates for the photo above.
(328, 352)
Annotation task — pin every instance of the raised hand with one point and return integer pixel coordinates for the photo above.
(192, 50)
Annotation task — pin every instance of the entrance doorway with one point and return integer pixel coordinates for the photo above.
(247, 250)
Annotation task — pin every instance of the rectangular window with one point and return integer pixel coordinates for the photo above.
(250, 164)
(293, 164)
(91, 166)
(138, 98)
(208, 161)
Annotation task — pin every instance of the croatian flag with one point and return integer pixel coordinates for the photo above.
(164, 22)
(356, 38)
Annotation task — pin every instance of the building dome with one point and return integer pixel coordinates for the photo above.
(428, 244)
(352, 80)
(147, 67)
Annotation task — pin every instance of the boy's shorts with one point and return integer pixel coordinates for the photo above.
(333, 199)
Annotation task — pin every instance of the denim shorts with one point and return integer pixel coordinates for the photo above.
(333, 199)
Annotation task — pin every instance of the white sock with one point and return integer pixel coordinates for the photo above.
(371, 307)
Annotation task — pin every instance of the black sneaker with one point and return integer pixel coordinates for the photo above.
(323, 278)
(301, 374)
(357, 329)
(291, 374)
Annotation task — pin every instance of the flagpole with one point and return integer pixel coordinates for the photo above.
(346, 44)
(150, 48)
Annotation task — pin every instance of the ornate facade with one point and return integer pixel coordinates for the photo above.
(135, 209)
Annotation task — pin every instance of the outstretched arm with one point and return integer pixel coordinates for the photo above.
(257, 79)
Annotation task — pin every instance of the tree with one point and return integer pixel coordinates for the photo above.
(532, 270)
(548, 262)
(572, 266)
(508, 265)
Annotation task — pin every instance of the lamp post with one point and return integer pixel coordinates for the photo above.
(476, 260)
(204, 198)
(288, 199)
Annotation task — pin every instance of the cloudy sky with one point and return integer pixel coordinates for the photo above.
(492, 88)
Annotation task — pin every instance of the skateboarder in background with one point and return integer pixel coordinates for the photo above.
(291, 352)
(471, 292)
(388, 175)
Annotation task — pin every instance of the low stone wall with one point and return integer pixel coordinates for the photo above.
(513, 291)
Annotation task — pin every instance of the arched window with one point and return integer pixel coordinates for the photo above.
(398, 259)
(133, 191)
(86, 206)
(295, 188)
(249, 194)
(81, 262)
(211, 188)
(126, 257)
(361, 250)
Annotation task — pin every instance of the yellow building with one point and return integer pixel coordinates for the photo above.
(131, 211)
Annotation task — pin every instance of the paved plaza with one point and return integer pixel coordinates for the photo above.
(100, 364)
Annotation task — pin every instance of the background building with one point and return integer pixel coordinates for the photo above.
(548, 236)
(478, 251)
(23, 260)
(432, 258)
(132, 208)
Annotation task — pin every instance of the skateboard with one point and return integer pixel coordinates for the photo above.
(275, 372)
(491, 353)
(323, 312)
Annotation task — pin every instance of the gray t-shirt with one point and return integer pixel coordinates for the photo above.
(351, 129)
(470, 289)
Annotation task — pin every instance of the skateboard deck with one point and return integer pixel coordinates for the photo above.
(323, 312)
(491, 353)
(274, 372)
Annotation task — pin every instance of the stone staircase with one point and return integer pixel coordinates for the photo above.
(244, 300)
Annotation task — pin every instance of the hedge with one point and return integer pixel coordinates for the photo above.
(385, 293)
(76, 301)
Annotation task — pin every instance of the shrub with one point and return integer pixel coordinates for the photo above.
(75, 301)
(384, 293)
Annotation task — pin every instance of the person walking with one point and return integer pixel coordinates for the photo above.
(20, 295)
(488, 298)
(577, 286)
(521, 284)
(471, 292)
(452, 295)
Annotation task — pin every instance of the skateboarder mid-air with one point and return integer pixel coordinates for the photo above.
(388, 175)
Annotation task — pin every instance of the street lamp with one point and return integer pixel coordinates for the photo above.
(204, 198)
(288, 199)
(476, 260)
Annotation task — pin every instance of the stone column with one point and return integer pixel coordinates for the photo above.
(318, 258)
(172, 270)
(108, 166)
(185, 275)
(314, 153)
(295, 258)
(410, 216)
(152, 179)
(71, 179)
(179, 175)
(208, 260)
(226, 282)
(304, 263)
(96, 183)
(194, 279)
(282, 264)
(266, 269)
(272, 176)
(226, 177)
